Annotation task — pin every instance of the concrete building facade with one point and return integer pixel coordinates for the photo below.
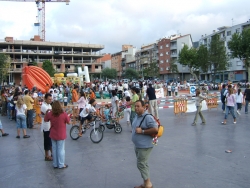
(64, 56)
(236, 69)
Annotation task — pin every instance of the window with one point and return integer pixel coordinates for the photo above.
(228, 33)
(237, 30)
(67, 66)
(239, 63)
(96, 67)
(161, 61)
(58, 66)
(161, 69)
(161, 54)
(167, 45)
(167, 53)
(167, 61)
(160, 47)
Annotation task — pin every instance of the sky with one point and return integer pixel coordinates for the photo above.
(113, 23)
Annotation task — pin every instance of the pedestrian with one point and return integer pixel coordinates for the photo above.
(198, 103)
(239, 100)
(153, 105)
(135, 98)
(75, 95)
(45, 127)
(58, 133)
(21, 113)
(169, 89)
(1, 130)
(230, 103)
(114, 103)
(143, 127)
(223, 96)
(127, 110)
(29, 104)
(247, 98)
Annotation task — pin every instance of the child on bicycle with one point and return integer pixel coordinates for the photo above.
(107, 113)
(87, 114)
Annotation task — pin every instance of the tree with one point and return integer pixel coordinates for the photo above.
(217, 56)
(202, 58)
(131, 74)
(152, 70)
(48, 67)
(4, 66)
(173, 68)
(239, 46)
(109, 73)
(188, 57)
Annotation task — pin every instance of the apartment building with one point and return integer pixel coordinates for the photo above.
(236, 69)
(146, 55)
(64, 56)
(105, 61)
(164, 57)
(177, 42)
(118, 60)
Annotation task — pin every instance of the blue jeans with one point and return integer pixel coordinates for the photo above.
(246, 106)
(30, 118)
(21, 121)
(223, 106)
(231, 109)
(132, 116)
(58, 151)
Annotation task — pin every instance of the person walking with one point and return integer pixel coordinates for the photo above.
(153, 106)
(135, 98)
(198, 103)
(247, 98)
(114, 103)
(21, 112)
(58, 133)
(75, 95)
(223, 96)
(45, 127)
(29, 104)
(143, 127)
(239, 101)
(127, 111)
(230, 103)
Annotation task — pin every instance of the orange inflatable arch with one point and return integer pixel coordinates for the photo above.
(36, 76)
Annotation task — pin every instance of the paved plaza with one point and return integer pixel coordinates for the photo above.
(185, 157)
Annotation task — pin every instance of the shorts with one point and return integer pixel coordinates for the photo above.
(88, 117)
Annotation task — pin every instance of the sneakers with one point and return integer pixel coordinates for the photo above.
(193, 124)
(203, 123)
(234, 122)
(26, 136)
(5, 134)
(238, 112)
(223, 123)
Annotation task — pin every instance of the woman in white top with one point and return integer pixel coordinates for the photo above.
(114, 103)
(21, 112)
(239, 100)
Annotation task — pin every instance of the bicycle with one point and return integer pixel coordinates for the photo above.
(96, 134)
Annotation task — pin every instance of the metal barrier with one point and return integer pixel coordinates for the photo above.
(180, 106)
(212, 102)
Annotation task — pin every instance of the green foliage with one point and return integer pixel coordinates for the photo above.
(48, 67)
(152, 70)
(131, 74)
(217, 56)
(202, 58)
(188, 57)
(34, 63)
(172, 66)
(109, 73)
(240, 46)
(4, 66)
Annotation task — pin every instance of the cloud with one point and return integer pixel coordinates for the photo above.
(116, 22)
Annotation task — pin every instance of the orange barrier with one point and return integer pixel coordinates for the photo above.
(180, 106)
(212, 103)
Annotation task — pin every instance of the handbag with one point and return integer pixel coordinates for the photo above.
(160, 127)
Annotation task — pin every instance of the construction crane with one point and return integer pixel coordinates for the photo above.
(40, 23)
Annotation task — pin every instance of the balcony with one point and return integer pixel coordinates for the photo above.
(174, 54)
(173, 47)
(15, 70)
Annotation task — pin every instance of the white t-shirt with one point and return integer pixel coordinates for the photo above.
(45, 125)
(65, 99)
(239, 98)
(126, 93)
(169, 88)
(90, 108)
(21, 111)
(101, 87)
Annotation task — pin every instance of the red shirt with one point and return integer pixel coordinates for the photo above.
(58, 125)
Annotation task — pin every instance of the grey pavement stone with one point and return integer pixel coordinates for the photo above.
(185, 157)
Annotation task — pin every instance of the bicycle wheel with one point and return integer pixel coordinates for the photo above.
(74, 132)
(118, 128)
(102, 128)
(96, 135)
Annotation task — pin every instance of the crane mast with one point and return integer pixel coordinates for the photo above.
(40, 18)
